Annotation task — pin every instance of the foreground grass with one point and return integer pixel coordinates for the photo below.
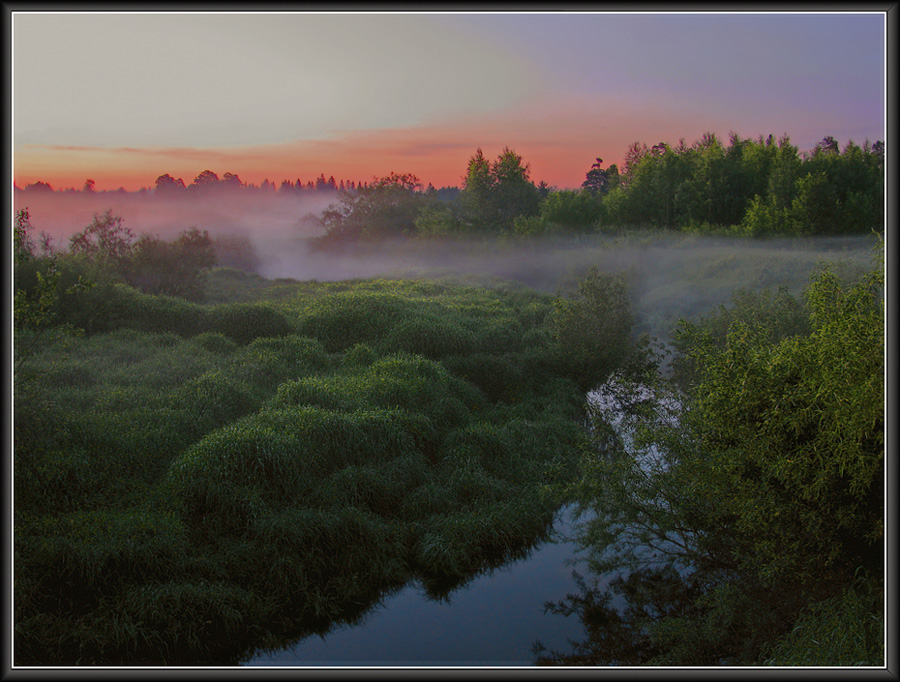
(193, 482)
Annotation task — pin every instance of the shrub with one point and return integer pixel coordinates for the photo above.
(593, 328)
(572, 209)
(530, 226)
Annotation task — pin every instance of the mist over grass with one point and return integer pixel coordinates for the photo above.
(672, 275)
(262, 214)
(198, 477)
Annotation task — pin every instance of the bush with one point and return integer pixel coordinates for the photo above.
(530, 226)
(845, 630)
(572, 209)
(438, 220)
(593, 328)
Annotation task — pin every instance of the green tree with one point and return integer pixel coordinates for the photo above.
(206, 180)
(513, 192)
(166, 184)
(495, 193)
(772, 213)
(593, 328)
(232, 181)
(572, 209)
(105, 242)
(387, 207)
(37, 290)
(476, 198)
(731, 506)
(177, 269)
(601, 180)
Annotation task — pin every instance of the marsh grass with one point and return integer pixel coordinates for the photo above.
(192, 480)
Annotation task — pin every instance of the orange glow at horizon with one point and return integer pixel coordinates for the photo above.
(559, 140)
(442, 168)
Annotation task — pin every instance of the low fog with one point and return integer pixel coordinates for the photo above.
(671, 276)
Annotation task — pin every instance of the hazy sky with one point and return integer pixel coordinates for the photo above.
(124, 98)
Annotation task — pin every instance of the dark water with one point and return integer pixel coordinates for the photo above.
(491, 621)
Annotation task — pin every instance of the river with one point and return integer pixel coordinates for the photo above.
(493, 620)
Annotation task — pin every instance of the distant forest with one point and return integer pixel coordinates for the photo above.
(748, 187)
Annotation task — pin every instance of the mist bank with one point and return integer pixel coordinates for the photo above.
(671, 276)
(222, 213)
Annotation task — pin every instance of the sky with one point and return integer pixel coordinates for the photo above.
(123, 98)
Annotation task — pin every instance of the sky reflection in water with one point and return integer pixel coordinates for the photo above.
(492, 621)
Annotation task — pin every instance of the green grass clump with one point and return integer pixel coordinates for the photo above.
(244, 322)
(499, 377)
(109, 307)
(266, 363)
(216, 342)
(470, 540)
(344, 319)
(195, 480)
(405, 382)
(277, 456)
(429, 335)
(97, 551)
(213, 400)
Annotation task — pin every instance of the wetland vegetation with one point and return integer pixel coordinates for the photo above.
(210, 461)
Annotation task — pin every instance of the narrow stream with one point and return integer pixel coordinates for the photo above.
(491, 621)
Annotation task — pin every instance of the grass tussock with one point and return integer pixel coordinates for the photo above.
(195, 480)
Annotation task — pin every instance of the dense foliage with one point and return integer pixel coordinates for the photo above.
(195, 480)
(199, 470)
(748, 500)
(749, 187)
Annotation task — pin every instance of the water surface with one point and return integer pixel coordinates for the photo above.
(491, 621)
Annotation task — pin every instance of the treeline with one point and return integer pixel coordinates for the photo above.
(760, 186)
(750, 187)
(208, 182)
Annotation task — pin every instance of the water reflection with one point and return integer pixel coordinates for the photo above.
(493, 620)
